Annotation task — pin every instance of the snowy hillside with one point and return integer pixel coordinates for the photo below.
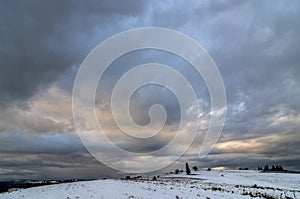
(205, 184)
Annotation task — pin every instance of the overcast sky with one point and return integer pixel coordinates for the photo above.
(255, 44)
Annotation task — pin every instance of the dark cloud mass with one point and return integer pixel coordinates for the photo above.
(255, 44)
(39, 40)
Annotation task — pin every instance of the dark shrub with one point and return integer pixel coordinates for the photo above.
(195, 168)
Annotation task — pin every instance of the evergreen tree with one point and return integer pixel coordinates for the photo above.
(273, 168)
(266, 168)
(259, 168)
(281, 168)
(187, 169)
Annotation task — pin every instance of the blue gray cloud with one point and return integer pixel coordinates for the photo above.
(254, 44)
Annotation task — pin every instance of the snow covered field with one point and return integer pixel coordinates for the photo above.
(205, 184)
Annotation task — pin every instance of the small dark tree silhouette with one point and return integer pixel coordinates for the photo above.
(176, 171)
(187, 169)
(195, 168)
(281, 168)
(273, 168)
(259, 168)
(266, 168)
(3, 187)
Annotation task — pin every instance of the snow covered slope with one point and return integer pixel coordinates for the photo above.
(205, 184)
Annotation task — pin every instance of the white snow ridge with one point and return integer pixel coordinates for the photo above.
(204, 184)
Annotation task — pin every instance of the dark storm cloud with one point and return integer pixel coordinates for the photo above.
(40, 43)
(14, 142)
(52, 166)
(146, 96)
(40, 40)
(260, 59)
(255, 44)
(256, 47)
(47, 157)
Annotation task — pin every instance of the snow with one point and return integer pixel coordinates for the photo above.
(204, 184)
(276, 180)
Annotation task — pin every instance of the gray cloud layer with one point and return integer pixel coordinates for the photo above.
(39, 40)
(254, 44)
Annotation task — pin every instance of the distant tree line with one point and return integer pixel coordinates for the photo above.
(3, 187)
(272, 168)
(24, 184)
